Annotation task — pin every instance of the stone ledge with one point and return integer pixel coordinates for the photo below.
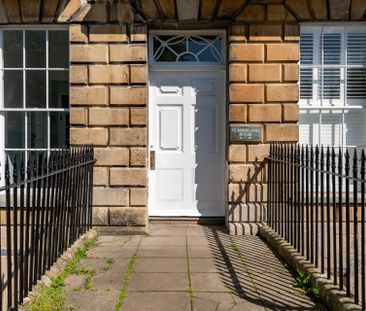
(334, 298)
(240, 228)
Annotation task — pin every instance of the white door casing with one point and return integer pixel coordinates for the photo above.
(187, 134)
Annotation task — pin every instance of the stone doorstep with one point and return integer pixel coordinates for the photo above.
(330, 294)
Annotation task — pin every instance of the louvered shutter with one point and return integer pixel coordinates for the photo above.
(306, 58)
(356, 59)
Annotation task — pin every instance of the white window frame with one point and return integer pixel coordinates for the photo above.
(318, 104)
(197, 66)
(25, 110)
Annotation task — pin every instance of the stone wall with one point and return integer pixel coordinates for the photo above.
(263, 90)
(108, 99)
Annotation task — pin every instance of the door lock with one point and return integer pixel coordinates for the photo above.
(152, 160)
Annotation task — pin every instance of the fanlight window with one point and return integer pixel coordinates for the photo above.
(191, 48)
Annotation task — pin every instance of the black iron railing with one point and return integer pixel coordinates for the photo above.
(316, 201)
(45, 205)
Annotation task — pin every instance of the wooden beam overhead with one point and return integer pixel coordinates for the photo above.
(207, 9)
(30, 10)
(339, 9)
(3, 16)
(12, 9)
(168, 8)
(228, 8)
(188, 10)
(49, 11)
(149, 9)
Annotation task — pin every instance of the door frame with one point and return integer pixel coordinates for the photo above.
(179, 67)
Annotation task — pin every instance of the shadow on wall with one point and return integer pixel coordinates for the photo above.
(247, 192)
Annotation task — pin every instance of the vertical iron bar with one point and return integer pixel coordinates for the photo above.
(15, 231)
(363, 263)
(311, 204)
(340, 216)
(8, 234)
(329, 238)
(348, 231)
(322, 237)
(355, 225)
(316, 242)
(334, 215)
(21, 231)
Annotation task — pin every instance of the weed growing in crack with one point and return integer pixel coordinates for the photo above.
(52, 298)
(126, 279)
(303, 281)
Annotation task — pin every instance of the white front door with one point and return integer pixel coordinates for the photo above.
(187, 118)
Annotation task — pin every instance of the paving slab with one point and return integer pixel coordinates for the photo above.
(162, 252)
(161, 265)
(157, 301)
(108, 280)
(159, 282)
(119, 241)
(206, 265)
(86, 300)
(226, 273)
(112, 252)
(211, 282)
(226, 302)
(163, 241)
(166, 230)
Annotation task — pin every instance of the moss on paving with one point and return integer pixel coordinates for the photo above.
(126, 280)
(53, 298)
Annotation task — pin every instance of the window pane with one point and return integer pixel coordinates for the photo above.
(356, 48)
(14, 157)
(330, 86)
(306, 83)
(59, 89)
(309, 126)
(59, 129)
(306, 48)
(37, 130)
(355, 127)
(58, 42)
(356, 83)
(331, 128)
(13, 88)
(13, 48)
(35, 49)
(36, 89)
(14, 130)
(332, 48)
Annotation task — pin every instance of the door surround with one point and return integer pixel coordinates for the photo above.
(185, 67)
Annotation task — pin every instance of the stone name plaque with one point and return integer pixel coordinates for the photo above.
(246, 133)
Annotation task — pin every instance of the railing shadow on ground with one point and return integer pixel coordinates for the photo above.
(249, 269)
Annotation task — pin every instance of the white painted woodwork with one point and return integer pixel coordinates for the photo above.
(187, 118)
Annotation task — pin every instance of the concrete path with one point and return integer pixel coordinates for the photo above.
(187, 268)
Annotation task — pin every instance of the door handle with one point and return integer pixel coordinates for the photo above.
(152, 160)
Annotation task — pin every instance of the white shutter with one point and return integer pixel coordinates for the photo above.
(330, 78)
(309, 127)
(354, 127)
(306, 58)
(331, 128)
(356, 58)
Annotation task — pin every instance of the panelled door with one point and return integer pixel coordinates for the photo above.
(186, 138)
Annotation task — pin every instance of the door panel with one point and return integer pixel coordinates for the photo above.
(187, 134)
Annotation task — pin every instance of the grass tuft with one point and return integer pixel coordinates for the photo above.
(126, 279)
(52, 298)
